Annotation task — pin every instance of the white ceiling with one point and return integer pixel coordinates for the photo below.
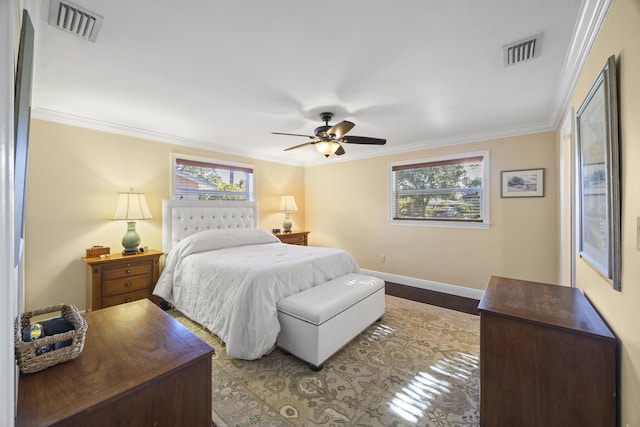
(223, 75)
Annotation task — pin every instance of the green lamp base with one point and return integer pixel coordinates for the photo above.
(130, 240)
(287, 224)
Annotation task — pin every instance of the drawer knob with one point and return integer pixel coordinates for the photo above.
(128, 284)
(128, 300)
(128, 271)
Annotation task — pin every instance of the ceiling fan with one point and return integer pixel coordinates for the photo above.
(328, 139)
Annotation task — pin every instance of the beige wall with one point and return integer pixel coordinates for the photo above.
(620, 36)
(74, 177)
(347, 206)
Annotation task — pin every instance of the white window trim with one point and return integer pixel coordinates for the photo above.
(175, 156)
(486, 185)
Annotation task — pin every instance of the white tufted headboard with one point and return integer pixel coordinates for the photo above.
(181, 218)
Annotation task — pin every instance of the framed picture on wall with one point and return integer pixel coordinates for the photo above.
(522, 183)
(599, 175)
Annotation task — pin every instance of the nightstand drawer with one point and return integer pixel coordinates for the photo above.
(125, 270)
(294, 240)
(121, 299)
(126, 284)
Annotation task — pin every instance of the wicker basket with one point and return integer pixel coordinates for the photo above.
(26, 356)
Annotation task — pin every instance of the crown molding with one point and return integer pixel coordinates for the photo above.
(443, 142)
(592, 15)
(87, 123)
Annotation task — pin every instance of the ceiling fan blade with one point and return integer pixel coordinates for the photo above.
(292, 134)
(299, 145)
(363, 140)
(340, 151)
(340, 129)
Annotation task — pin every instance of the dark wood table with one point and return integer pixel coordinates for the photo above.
(546, 358)
(139, 367)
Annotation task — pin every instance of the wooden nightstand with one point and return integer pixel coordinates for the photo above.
(294, 238)
(117, 279)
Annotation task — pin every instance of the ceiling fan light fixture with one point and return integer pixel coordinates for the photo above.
(329, 139)
(327, 148)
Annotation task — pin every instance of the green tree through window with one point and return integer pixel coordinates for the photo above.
(440, 190)
(199, 180)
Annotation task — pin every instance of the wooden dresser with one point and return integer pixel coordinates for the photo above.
(546, 358)
(117, 279)
(138, 367)
(294, 238)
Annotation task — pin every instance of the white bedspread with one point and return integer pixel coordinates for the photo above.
(230, 281)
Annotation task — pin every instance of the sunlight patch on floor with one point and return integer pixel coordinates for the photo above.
(381, 330)
(423, 390)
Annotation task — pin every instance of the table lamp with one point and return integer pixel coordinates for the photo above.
(131, 206)
(287, 204)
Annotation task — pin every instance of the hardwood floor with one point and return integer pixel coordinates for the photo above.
(453, 302)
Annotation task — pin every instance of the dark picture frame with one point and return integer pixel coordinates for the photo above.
(599, 175)
(22, 118)
(522, 183)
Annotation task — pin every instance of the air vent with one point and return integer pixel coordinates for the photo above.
(521, 51)
(75, 20)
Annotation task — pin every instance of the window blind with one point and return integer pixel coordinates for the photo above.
(442, 190)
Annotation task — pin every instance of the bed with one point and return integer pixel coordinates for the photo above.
(224, 273)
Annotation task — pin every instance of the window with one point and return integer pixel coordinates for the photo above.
(444, 191)
(206, 179)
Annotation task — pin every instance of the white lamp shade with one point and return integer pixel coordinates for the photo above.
(131, 206)
(288, 203)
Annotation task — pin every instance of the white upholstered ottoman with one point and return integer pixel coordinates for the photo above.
(317, 322)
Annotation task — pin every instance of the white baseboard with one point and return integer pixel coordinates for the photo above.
(426, 284)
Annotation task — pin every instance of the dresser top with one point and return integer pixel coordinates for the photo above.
(126, 346)
(551, 305)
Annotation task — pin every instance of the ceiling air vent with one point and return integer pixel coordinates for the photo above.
(75, 20)
(521, 51)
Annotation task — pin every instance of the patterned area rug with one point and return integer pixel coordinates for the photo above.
(418, 366)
